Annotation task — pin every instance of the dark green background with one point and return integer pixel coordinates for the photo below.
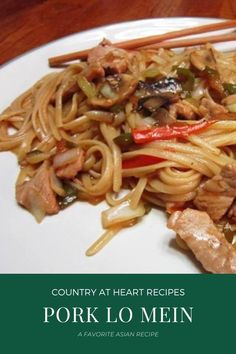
(24, 296)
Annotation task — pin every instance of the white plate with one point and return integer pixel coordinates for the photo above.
(59, 243)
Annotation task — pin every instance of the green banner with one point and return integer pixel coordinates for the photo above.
(110, 313)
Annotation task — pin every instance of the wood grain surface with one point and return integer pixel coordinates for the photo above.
(26, 24)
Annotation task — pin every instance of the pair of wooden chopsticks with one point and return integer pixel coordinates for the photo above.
(161, 41)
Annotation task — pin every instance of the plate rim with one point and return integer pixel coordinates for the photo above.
(107, 26)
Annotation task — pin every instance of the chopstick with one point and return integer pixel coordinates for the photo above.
(146, 41)
(192, 41)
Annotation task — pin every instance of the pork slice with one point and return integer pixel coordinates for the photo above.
(216, 195)
(70, 171)
(99, 52)
(94, 71)
(182, 109)
(207, 243)
(68, 163)
(109, 58)
(208, 107)
(37, 195)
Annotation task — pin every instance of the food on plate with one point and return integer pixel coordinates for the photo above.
(206, 241)
(137, 128)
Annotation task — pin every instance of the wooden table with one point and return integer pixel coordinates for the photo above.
(26, 24)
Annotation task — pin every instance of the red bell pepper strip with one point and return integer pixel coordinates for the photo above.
(142, 136)
(140, 161)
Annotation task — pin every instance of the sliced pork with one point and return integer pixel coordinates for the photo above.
(68, 163)
(216, 195)
(110, 58)
(207, 243)
(37, 195)
(182, 109)
(208, 107)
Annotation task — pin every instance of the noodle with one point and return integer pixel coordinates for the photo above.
(68, 124)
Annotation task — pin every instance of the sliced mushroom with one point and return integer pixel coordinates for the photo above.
(202, 58)
(125, 86)
(151, 103)
(154, 95)
(168, 85)
(162, 117)
(205, 62)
